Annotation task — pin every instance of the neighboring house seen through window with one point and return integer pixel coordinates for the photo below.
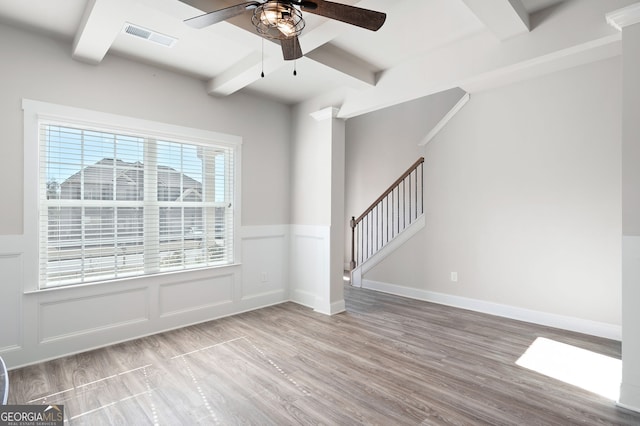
(117, 204)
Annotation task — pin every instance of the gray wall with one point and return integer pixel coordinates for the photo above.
(522, 195)
(383, 144)
(38, 325)
(38, 68)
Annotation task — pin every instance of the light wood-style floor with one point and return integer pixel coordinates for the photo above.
(386, 361)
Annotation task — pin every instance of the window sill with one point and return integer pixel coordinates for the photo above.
(148, 280)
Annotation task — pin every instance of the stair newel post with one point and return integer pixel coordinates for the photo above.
(352, 264)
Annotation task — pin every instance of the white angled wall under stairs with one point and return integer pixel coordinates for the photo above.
(386, 250)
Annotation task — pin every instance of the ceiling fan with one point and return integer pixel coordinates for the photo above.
(282, 19)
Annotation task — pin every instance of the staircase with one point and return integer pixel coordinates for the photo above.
(388, 222)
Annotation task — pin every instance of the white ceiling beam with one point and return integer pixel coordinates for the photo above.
(243, 73)
(626, 16)
(317, 48)
(504, 18)
(315, 44)
(479, 61)
(176, 8)
(247, 70)
(338, 59)
(101, 22)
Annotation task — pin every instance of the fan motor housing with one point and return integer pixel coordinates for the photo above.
(278, 20)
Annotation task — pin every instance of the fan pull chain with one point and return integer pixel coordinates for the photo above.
(262, 72)
(294, 68)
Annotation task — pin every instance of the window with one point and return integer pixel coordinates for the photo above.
(117, 203)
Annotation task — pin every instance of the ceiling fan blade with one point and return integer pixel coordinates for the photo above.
(220, 15)
(291, 49)
(306, 4)
(364, 18)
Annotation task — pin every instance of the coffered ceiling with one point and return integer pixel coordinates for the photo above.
(425, 46)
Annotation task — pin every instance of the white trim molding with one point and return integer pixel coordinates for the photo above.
(324, 114)
(629, 392)
(443, 122)
(594, 328)
(338, 307)
(624, 17)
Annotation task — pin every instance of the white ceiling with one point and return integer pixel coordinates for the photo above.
(423, 43)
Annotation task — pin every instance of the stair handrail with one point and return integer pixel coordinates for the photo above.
(354, 222)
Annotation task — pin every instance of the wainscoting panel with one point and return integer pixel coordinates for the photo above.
(38, 325)
(264, 257)
(11, 282)
(186, 296)
(309, 265)
(89, 314)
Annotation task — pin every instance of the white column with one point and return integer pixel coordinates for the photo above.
(331, 301)
(627, 20)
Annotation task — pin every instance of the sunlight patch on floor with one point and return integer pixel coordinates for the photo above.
(588, 370)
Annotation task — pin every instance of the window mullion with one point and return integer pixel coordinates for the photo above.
(230, 206)
(83, 259)
(43, 249)
(182, 212)
(116, 248)
(209, 196)
(151, 212)
(208, 226)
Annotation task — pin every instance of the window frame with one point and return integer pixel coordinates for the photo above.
(36, 112)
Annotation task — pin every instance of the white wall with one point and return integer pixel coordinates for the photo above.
(522, 199)
(310, 188)
(630, 389)
(310, 170)
(317, 198)
(46, 324)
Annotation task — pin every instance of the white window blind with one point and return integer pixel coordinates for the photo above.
(118, 204)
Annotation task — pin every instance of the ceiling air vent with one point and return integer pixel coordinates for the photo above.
(146, 34)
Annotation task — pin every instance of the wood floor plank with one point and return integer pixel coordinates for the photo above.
(386, 360)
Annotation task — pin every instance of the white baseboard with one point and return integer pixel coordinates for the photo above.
(579, 325)
(628, 407)
(331, 308)
(338, 307)
(629, 396)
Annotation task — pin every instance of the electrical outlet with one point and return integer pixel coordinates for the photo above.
(263, 277)
(454, 277)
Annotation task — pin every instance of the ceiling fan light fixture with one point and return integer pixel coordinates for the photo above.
(277, 20)
(269, 17)
(282, 19)
(286, 27)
